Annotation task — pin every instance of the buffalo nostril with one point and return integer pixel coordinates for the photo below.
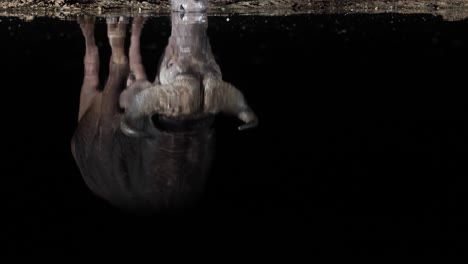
(182, 8)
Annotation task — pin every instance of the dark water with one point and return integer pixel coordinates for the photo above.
(360, 149)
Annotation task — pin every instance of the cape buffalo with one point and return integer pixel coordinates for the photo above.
(145, 145)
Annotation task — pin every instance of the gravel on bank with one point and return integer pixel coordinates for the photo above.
(448, 9)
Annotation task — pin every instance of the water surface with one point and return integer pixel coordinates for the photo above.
(362, 134)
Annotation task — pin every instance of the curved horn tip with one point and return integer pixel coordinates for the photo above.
(128, 131)
(249, 125)
(249, 118)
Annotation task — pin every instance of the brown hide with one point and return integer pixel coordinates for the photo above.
(163, 171)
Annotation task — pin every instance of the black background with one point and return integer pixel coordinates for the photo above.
(361, 147)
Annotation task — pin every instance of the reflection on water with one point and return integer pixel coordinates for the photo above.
(149, 145)
(351, 143)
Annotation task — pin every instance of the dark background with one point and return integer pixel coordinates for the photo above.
(361, 147)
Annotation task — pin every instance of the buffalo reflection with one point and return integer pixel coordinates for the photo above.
(142, 145)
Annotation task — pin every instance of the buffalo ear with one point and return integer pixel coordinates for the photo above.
(135, 87)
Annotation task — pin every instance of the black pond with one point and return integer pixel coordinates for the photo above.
(362, 135)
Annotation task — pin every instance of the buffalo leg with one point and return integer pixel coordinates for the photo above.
(118, 66)
(136, 64)
(90, 85)
(137, 79)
